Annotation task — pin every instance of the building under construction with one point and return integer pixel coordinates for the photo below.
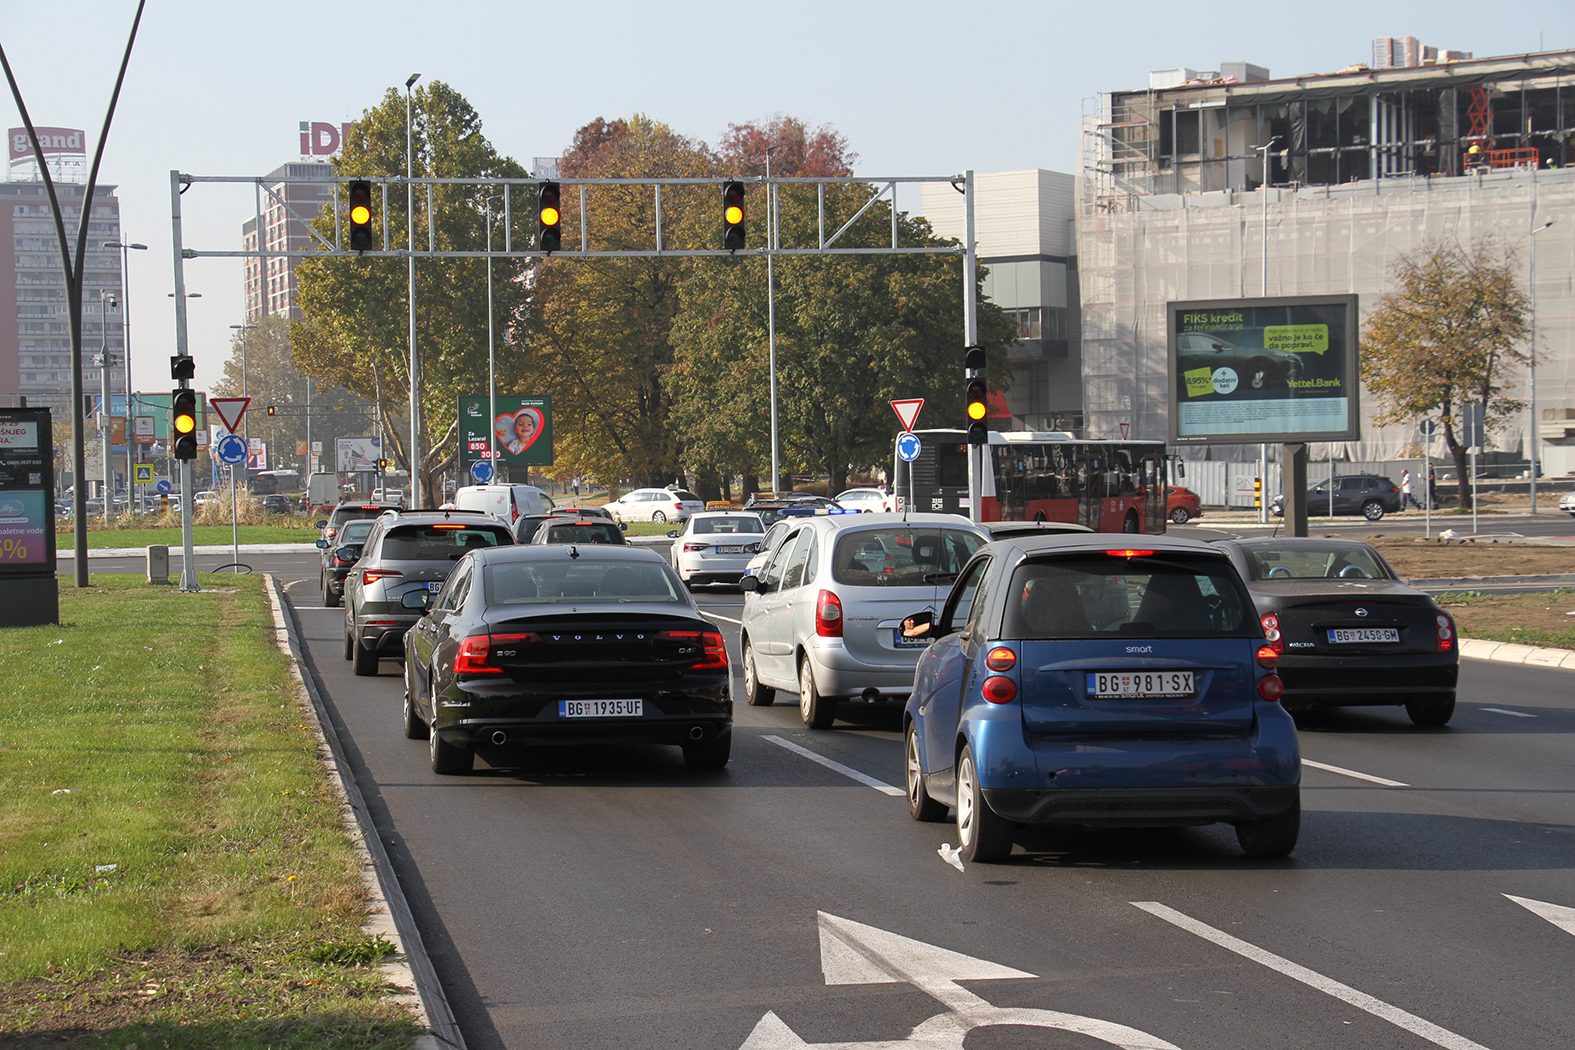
(1229, 184)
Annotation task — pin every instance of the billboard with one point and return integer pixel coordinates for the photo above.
(1244, 371)
(27, 511)
(357, 454)
(522, 430)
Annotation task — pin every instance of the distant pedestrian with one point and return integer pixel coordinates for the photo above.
(1432, 488)
(1405, 491)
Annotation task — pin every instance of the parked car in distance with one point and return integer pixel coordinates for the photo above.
(339, 554)
(1348, 631)
(1068, 680)
(658, 505)
(1182, 504)
(1567, 503)
(822, 617)
(715, 546)
(578, 530)
(548, 644)
(1369, 495)
(277, 503)
(864, 499)
(404, 553)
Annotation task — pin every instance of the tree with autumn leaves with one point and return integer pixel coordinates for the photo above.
(1452, 332)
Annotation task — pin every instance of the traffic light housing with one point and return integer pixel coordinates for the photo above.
(978, 403)
(733, 215)
(549, 217)
(360, 215)
(273, 410)
(183, 423)
(183, 367)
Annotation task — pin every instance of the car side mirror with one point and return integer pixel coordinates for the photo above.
(919, 625)
(322, 545)
(750, 584)
(320, 524)
(349, 552)
(623, 526)
(672, 534)
(416, 600)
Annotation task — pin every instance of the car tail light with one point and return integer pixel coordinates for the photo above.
(998, 689)
(828, 615)
(476, 652)
(1271, 631)
(1268, 657)
(713, 649)
(442, 525)
(695, 548)
(1000, 659)
(373, 575)
(1270, 687)
(1446, 633)
(1130, 554)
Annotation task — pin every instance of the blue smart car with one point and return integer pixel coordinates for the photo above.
(1102, 681)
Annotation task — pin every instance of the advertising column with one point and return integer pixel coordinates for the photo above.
(29, 594)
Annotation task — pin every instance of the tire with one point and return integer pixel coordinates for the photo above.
(1179, 516)
(349, 644)
(983, 836)
(330, 599)
(1272, 836)
(1130, 525)
(709, 754)
(920, 805)
(1434, 713)
(446, 759)
(1372, 510)
(758, 695)
(415, 728)
(659, 517)
(816, 711)
(364, 661)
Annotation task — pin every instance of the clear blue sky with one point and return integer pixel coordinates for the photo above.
(918, 87)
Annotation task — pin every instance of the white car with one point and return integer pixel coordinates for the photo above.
(655, 505)
(715, 546)
(869, 500)
(1567, 503)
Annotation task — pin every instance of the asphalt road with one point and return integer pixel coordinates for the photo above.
(597, 898)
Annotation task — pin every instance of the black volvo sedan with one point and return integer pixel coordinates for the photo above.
(565, 644)
(1350, 633)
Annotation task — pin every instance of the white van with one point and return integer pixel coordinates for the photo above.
(504, 502)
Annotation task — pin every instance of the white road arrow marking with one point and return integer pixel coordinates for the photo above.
(1557, 914)
(853, 953)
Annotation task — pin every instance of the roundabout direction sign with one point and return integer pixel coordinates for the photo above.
(909, 447)
(231, 450)
(481, 470)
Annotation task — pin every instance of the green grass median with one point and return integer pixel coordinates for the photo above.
(174, 870)
(102, 538)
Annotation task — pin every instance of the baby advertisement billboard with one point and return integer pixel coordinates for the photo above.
(521, 430)
(1244, 371)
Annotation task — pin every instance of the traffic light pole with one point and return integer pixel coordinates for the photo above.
(188, 561)
(971, 338)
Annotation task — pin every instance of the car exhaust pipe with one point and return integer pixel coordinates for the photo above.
(697, 733)
(500, 738)
(871, 695)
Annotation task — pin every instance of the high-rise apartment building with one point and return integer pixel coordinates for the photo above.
(285, 210)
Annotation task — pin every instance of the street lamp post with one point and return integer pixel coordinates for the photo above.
(410, 257)
(492, 381)
(106, 303)
(125, 339)
(771, 314)
(1263, 290)
(1536, 425)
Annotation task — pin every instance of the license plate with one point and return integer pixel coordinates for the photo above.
(735, 549)
(908, 643)
(435, 588)
(600, 708)
(1140, 683)
(1345, 635)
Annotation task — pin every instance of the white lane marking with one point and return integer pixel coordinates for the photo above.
(1501, 711)
(1557, 914)
(1353, 773)
(847, 771)
(1312, 979)
(719, 616)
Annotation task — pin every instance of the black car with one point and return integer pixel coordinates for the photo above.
(277, 503)
(339, 554)
(405, 553)
(579, 530)
(1349, 632)
(1369, 495)
(558, 644)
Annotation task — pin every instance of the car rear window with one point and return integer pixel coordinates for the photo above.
(1294, 561)
(442, 542)
(901, 557)
(579, 581)
(685, 495)
(727, 526)
(1158, 596)
(584, 532)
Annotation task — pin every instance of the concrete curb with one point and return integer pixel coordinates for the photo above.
(1511, 653)
(389, 913)
(1469, 581)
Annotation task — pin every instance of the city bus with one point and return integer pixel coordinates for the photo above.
(1109, 486)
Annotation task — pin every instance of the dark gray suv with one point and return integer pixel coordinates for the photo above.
(1369, 495)
(405, 553)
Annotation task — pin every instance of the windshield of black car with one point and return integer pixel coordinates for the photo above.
(1298, 561)
(443, 542)
(585, 532)
(578, 581)
(728, 526)
(1090, 595)
(900, 557)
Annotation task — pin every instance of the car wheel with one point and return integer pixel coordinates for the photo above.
(709, 754)
(330, 599)
(1272, 836)
(659, 517)
(349, 643)
(983, 836)
(816, 711)
(920, 805)
(1435, 713)
(1130, 524)
(446, 759)
(758, 695)
(1372, 510)
(1179, 516)
(364, 661)
(415, 728)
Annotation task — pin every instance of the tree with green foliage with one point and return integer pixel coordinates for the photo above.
(355, 331)
(1450, 333)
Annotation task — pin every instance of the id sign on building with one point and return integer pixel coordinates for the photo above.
(1244, 371)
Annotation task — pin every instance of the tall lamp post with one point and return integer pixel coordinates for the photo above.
(1536, 424)
(125, 339)
(106, 303)
(492, 381)
(1263, 290)
(771, 313)
(410, 257)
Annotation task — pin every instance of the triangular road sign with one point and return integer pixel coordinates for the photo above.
(908, 410)
(228, 406)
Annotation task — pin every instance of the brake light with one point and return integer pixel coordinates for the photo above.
(476, 652)
(999, 689)
(1270, 687)
(444, 525)
(1000, 659)
(828, 615)
(1271, 631)
(692, 548)
(373, 575)
(1268, 657)
(713, 650)
(1446, 633)
(1130, 554)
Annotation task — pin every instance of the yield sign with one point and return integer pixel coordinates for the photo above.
(227, 406)
(908, 410)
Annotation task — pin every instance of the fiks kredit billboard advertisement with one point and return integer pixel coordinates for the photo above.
(1244, 371)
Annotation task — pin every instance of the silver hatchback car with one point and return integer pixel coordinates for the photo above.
(823, 616)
